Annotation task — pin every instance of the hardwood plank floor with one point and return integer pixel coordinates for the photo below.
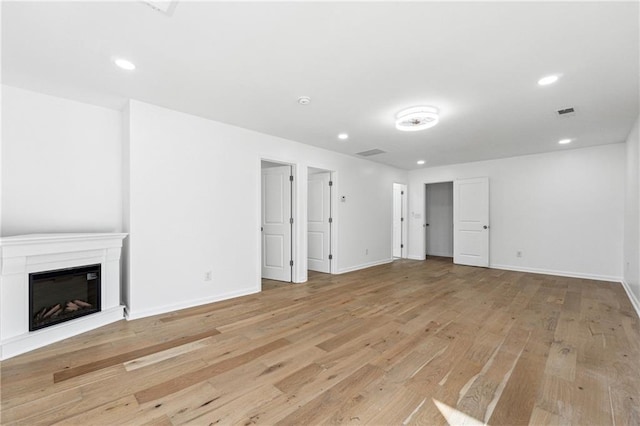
(410, 342)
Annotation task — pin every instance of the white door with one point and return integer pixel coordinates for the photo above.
(399, 208)
(318, 225)
(471, 221)
(276, 225)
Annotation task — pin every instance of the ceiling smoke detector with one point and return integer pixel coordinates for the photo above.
(304, 100)
(417, 118)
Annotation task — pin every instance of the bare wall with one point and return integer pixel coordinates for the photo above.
(61, 165)
(194, 204)
(564, 210)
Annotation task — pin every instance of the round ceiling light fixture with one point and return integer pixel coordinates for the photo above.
(565, 141)
(304, 100)
(420, 162)
(417, 118)
(343, 136)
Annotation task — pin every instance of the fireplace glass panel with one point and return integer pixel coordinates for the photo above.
(62, 295)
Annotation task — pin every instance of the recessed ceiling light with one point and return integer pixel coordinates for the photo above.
(343, 136)
(420, 162)
(304, 100)
(417, 118)
(124, 64)
(564, 141)
(550, 79)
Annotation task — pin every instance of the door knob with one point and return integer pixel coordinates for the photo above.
(485, 227)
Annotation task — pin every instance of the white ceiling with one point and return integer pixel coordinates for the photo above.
(247, 63)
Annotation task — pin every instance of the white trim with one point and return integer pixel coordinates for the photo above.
(131, 315)
(36, 339)
(364, 266)
(416, 257)
(609, 278)
(632, 297)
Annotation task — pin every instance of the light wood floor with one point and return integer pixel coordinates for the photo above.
(404, 343)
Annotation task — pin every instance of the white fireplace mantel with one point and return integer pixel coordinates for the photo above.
(25, 254)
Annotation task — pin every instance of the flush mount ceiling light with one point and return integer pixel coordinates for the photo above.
(420, 162)
(304, 100)
(124, 64)
(417, 118)
(550, 79)
(564, 141)
(343, 136)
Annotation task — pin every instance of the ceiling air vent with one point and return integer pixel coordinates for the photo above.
(370, 152)
(566, 112)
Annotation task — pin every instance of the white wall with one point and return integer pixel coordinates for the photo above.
(61, 166)
(194, 205)
(563, 210)
(631, 260)
(439, 216)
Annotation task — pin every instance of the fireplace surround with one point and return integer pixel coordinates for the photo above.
(40, 258)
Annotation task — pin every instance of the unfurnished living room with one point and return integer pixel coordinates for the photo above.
(309, 213)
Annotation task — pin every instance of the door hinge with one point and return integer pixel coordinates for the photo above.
(291, 263)
(330, 183)
(330, 257)
(291, 221)
(291, 178)
(330, 220)
(401, 192)
(402, 219)
(401, 245)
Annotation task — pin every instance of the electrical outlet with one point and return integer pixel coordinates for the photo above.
(208, 276)
(518, 253)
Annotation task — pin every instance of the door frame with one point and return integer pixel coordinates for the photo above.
(294, 214)
(404, 224)
(424, 207)
(424, 216)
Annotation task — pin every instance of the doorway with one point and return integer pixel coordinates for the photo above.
(470, 215)
(399, 249)
(438, 222)
(277, 221)
(319, 220)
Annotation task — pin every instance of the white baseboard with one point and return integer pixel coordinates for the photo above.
(632, 297)
(364, 266)
(416, 257)
(134, 314)
(36, 339)
(609, 278)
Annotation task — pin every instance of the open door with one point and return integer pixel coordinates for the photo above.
(471, 221)
(277, 223)
(319, 222)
